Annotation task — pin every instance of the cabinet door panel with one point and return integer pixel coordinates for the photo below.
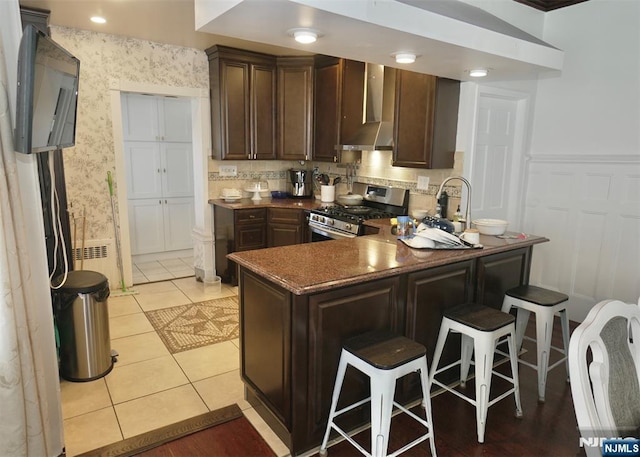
(265, 333)
(429, 293)
(139, 118)
(179, 219)
(295, 103)
(146, 226)
(144, 170)
(263, 102)
(327, 115)
(415, 100)
(235, 110)
(500, 272)
(333, 318)
(175, 117)
(251, 237)
(177, 169)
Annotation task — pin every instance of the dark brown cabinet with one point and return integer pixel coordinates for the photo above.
(286, 226)
(243, 103)
(426, 120)
(254, 228)
(498, 273)
(339, 95)
(290, 344)
(295, 108)
(237, 230)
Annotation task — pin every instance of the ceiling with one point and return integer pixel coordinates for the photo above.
(165, 21)
(173, 22)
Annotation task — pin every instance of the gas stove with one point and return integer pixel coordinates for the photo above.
(336, 221)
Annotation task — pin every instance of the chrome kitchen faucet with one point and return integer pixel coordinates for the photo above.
(467, 215)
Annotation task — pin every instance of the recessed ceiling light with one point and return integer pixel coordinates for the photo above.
(98, 20)
(478, 72)
(404, 57)
(304, 36)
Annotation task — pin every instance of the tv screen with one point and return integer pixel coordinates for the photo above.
(47, 94)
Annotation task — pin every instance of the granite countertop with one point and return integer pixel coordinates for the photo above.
(314, 267)
(268, 202)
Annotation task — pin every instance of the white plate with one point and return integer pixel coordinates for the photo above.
(231, 198)
(440, 236)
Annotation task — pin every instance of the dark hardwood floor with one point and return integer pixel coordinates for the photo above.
(234, 438)
(546, 429)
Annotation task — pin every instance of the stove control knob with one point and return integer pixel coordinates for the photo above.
(347, 227)
(330, 221)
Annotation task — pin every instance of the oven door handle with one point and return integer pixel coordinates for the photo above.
(325, 231)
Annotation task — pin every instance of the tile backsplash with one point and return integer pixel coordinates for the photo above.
(375, 169)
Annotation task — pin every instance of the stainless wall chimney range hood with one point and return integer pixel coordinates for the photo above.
(376, 132)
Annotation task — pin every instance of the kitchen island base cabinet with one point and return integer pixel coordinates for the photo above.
(290, 348)
(290, 342)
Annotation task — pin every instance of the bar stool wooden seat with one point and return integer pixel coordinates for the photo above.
(481, 328)
(385, 357)
(545, 304)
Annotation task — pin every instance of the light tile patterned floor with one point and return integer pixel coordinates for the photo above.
(162, 270)
(148, 387)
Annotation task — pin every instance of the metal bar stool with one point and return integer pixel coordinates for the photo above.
(480, 327)
(545, 304)
(384, 357)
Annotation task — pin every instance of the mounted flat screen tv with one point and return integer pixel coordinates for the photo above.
(47, 94)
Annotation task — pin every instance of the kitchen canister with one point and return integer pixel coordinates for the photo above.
(327, 193)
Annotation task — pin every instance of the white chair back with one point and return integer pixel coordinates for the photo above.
(604, 364)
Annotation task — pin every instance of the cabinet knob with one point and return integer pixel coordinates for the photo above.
(158, 170)
(159, 202)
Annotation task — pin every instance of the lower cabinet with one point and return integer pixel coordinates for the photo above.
(254, 228)
(286, 226)
(498, 273)
(160, 224)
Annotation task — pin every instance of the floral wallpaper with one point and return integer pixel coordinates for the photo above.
(104, 58)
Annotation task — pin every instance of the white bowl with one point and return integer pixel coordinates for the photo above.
(420, 213)
(491, 226)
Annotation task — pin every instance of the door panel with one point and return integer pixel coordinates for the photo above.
(144, 170)
(146, 228)
(493, 158)
(178, 223)
(175, 119)
(139, 118)
(177, 170)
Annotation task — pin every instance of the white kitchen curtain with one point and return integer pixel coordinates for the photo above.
(22, 413)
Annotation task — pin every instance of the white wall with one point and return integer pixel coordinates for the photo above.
(584, 169)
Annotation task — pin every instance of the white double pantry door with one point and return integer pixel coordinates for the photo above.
(159, 161)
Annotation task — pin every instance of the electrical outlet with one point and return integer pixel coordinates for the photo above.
(423, 183)
(228, 170)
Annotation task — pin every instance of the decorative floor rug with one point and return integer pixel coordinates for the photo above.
(195, 325)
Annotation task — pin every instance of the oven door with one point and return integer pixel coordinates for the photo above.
(323, 233)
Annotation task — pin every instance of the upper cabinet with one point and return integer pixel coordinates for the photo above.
(243, 103)
(339, 96)
(426, 120)
(295, 108)
(152, 118)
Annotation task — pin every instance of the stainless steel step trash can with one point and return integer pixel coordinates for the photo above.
(82, 317)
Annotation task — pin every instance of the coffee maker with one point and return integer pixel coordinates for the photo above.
(300, 185)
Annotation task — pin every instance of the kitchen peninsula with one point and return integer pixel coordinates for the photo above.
(299, 303)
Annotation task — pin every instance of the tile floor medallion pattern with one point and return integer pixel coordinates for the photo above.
(197, 324)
